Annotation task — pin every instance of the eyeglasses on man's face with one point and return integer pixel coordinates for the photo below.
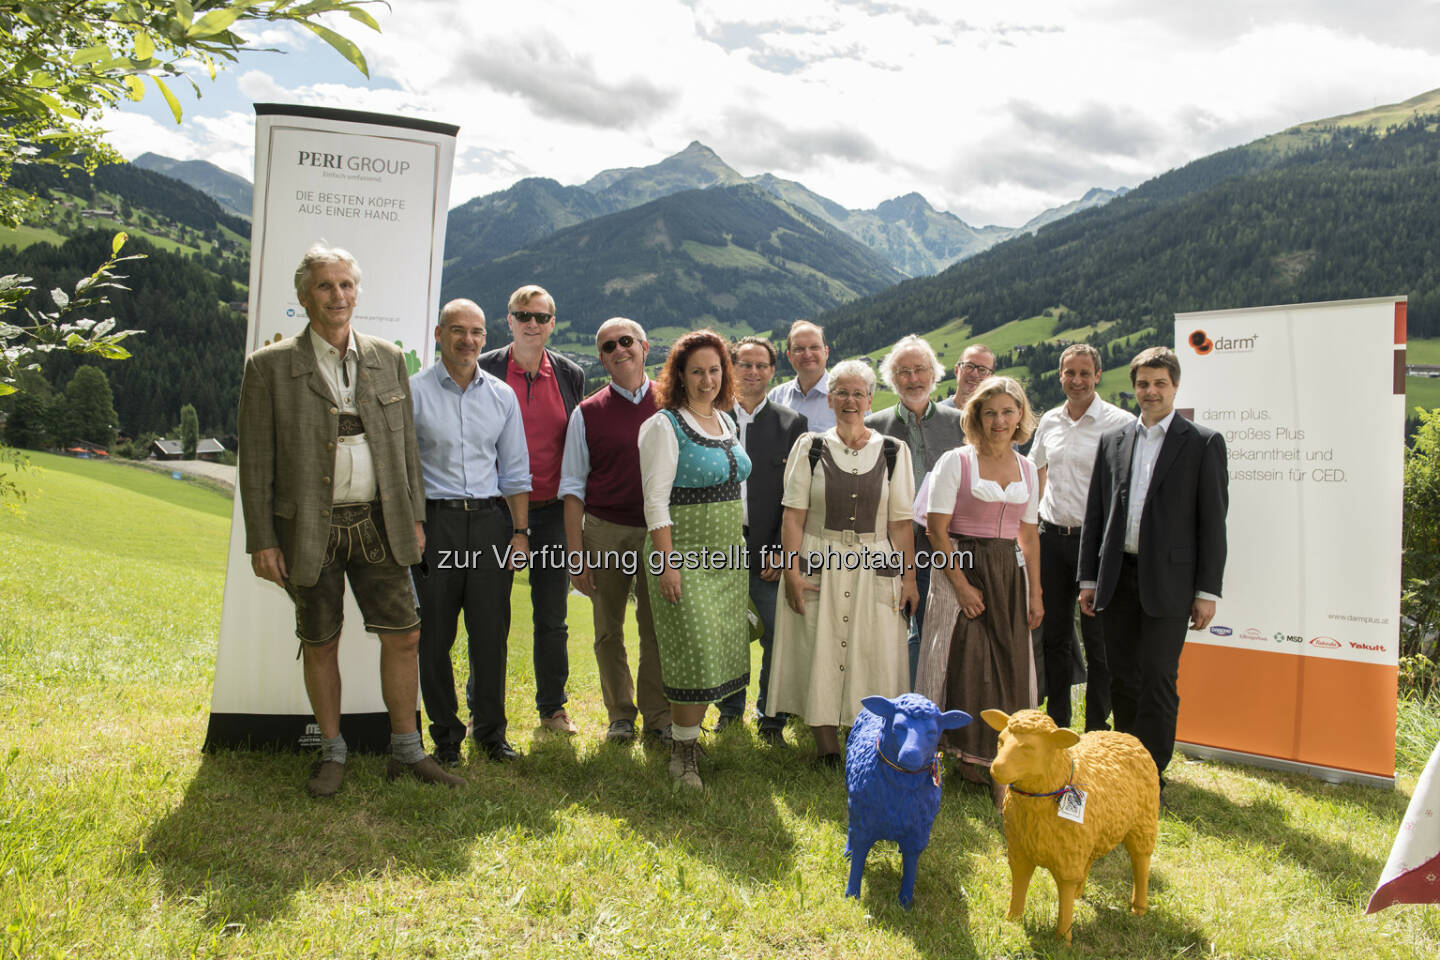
(625, 341)
(969, 367)
(527, 316)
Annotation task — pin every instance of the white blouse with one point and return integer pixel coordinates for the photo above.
(945, 485)
(660, 458)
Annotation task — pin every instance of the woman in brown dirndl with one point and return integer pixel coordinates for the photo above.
(982, 513)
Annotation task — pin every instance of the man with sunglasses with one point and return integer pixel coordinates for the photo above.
(548, 387)
(605, 524)
(806, 350)
(976, 364)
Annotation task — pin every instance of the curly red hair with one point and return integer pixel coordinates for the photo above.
(670, 385)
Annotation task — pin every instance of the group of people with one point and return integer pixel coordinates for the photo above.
(917, 548)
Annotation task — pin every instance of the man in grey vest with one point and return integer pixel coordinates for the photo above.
(911, 369)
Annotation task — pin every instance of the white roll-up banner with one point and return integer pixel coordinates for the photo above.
(378, 186)
(1298, 670)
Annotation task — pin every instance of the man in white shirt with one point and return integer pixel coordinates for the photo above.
(1152, 550)
(807, 394)
(1064, 454)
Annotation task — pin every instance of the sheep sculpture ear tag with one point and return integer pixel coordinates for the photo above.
(1072, 804)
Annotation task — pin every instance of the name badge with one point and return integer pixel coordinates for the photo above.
(1072, 805)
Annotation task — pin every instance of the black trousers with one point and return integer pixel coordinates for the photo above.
(1144, 657)
(1059, 557)
(463, 574)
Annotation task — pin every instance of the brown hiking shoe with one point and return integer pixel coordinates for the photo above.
(325, 778)
(426, 770)
(684, 765)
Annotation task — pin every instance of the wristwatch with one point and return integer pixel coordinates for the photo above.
(524, 530)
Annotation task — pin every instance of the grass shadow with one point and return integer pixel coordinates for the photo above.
(1347, 872)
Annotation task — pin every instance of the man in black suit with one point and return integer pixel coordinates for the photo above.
(548, 387)
(1152, 549)
(768, 431)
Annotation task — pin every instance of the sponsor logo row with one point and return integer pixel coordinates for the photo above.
(1325, 643)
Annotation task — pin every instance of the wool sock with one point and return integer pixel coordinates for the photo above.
(407, 747)
(332, 748)
(685, 733)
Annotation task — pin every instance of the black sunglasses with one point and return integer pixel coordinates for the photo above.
(525, 316)
(609, 346)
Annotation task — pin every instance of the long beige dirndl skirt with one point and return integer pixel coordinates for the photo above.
(980, 664)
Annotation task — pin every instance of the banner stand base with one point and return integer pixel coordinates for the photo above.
(1327, 774)
(295, 733)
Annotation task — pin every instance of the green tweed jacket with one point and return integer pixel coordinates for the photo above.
(288, 424)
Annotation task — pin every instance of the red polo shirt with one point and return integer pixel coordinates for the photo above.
(543, 413)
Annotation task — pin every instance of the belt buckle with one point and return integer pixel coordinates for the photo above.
(471, 504)
(849, 537)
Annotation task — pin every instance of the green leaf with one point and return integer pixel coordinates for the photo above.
(109, 351)
(216, 21)
(169, 98)
(118, 241)
(345, 48)
(61, 298)
(144, 46)
(185, 13)
(40, 80)
(90, 54)
(364, 17)
(136, 88)
(5, 389)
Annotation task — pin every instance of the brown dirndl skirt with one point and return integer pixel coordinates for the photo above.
(980, 664)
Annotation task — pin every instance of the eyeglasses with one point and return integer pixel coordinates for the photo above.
(844, 395)
(747, 365)
(908, 372)
(625, 341)
(969, 367)
(525, 316)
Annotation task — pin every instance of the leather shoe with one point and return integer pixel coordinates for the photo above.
(325, 778)
(621, 731)
(499, 751)
(725, 720)
(426, 770)
(828, 761)
(774, 736)
(447, 756)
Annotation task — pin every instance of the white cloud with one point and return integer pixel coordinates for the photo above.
(988, 109)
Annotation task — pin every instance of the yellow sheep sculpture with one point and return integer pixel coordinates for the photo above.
(1107, 780)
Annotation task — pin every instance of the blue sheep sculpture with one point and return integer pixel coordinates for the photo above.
(892, 770)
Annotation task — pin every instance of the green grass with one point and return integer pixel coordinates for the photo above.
(24, 236)
(118, 839)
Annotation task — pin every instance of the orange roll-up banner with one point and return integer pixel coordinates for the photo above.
(1298, 670)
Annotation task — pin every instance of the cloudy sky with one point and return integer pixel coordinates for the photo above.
(993, 111)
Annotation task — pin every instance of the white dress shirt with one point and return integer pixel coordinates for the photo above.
(1065, 450)
(354, 473)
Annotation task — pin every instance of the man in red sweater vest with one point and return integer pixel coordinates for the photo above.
(605, 519)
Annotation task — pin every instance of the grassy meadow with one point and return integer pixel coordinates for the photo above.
(118, 839)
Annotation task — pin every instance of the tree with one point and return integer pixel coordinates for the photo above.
(64, 62)
(90, 407)
(1420, 561)
(189, 430)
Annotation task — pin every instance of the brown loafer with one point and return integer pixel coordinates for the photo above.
(325, 778)
(426, 770)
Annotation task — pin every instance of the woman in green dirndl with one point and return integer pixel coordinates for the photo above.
(691, 466)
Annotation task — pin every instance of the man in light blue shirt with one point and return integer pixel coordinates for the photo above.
(806, 394)
(477, 500)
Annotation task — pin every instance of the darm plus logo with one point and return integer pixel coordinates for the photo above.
(1201, 343)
